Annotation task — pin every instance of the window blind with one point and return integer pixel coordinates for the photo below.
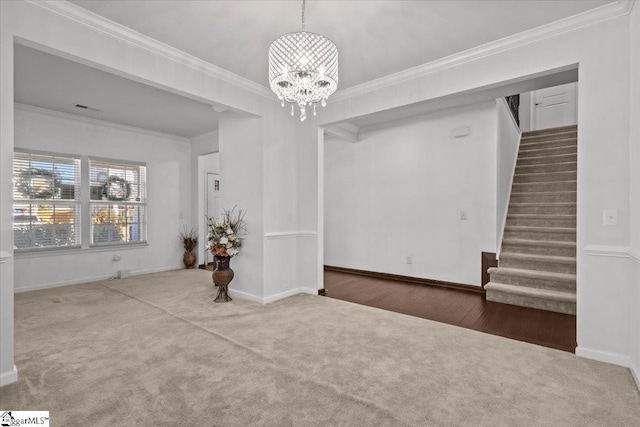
(46, 201)
(118, 205)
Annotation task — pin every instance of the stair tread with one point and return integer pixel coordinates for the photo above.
(542, 216)
(519, 204)
(542, 173)
(547, 183)
(546, 164)
(570, 142)
(540, 229)
(535, 257)
(558, 129)
(549, 156)
(562, 136)
(532, 292)
(531, 242)
(543, 150)
(535, 274)
(540, 193)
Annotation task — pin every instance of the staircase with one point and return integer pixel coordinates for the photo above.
(537, 266)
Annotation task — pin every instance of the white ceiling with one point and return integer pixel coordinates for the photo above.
(54, 83)
(374, 38)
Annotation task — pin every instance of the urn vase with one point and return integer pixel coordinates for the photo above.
(222, 276)
(189, 259)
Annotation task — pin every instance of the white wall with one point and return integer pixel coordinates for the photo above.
(241, 159)
(400, 191)
(508, 142)
(634, 140)
(168, 186)
(8, 371)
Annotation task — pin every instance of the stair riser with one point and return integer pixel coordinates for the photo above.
(549, 137)
(553, 267)
(525, 146)
(557, 306)
(538, 250)
(542, 222)
(544, 198)
(551, 285)
(536, 187)
(542, 210)
(523, 154)
(549, 167)
(548, 236)
(543, 160)
(546, 177)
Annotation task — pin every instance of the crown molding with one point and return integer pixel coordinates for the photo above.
(113, 29)
(565, 25)
(98, 122)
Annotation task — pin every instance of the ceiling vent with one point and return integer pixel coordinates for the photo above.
(85, 107)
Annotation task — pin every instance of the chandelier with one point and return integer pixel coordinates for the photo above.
(303, 69)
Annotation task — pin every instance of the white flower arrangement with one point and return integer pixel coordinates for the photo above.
(224, 234)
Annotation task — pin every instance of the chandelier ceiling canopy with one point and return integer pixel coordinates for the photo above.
(303, 69)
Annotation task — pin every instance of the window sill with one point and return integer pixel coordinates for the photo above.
(78, 250)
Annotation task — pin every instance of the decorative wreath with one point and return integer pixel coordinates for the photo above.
(116, 189)
(36, 183)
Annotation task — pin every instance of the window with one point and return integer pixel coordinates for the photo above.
(46, 201)
(118, 204)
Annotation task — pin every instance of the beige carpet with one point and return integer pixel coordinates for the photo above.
(155, 350)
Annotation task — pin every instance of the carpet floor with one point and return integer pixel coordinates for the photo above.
(156, 350)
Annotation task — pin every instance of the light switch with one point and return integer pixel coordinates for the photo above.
(610, 217)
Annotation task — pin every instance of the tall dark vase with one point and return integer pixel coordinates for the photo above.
(222, 276)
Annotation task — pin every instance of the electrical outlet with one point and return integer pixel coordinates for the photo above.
(463, 215)
(409, 259)
(610, 217)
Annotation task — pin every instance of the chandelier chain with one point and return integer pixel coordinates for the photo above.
(303, 6)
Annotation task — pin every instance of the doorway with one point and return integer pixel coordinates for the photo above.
(209, 187)
(211, 205)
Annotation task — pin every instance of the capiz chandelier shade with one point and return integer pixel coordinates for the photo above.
(303, 69)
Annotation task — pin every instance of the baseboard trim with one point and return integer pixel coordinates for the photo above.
(91, 279)
(9, 377)
(281, 295)
(275, 297)
(604, 356)
(407, 279)
(636, 374)
(246, 295)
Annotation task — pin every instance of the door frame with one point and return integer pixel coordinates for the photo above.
(205, 186)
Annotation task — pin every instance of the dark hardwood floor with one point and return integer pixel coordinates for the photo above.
(455, 307)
